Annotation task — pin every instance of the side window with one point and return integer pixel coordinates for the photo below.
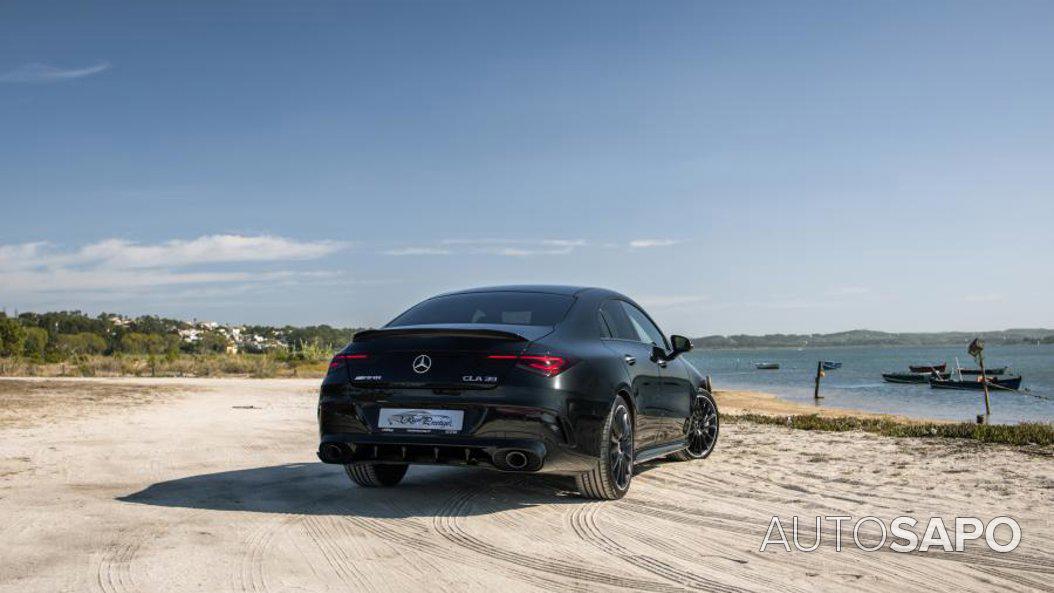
(618, 323)
(605, 328)
(644, 327)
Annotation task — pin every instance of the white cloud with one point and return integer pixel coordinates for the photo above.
(122, 254)
(207, 249)
(12, 256)
(116, 264)
(417, 251)
(502, 247)
(478, 241)
(565, 242)
(648, 243)
(40, 73)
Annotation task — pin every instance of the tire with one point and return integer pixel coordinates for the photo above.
(702, 429)
(613, 472)
(375, 475)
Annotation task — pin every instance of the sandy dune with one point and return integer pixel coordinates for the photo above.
(212, 485)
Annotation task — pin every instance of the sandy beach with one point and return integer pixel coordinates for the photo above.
(125, 485)
(733, 402)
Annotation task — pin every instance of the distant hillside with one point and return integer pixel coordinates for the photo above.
(866, 337)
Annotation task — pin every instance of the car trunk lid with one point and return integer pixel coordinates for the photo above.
(441, 356)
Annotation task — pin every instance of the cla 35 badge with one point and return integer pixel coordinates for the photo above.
(479, 379)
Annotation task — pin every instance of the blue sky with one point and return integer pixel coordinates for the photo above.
(739, 167)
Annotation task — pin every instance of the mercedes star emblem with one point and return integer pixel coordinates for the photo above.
(422, 363)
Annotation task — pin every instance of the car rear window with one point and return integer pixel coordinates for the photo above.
(500, 308)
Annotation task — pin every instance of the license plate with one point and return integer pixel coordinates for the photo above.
(417, 420)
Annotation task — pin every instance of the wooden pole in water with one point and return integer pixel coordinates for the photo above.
(819, 373)
(984, 380)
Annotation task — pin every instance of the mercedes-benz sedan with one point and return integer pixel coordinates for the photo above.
(554, 379)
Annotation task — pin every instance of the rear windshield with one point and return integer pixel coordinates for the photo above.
(501, 308)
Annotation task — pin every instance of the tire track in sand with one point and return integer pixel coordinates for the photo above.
(583, 522)
(249, 577)
(447, 522)
(1025, 564)
(114, 572)
(419, 539)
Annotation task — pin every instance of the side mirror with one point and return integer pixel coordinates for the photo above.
(680, 345)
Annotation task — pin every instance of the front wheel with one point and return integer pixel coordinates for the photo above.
(610, 478)
(374, 475)
(701, 429)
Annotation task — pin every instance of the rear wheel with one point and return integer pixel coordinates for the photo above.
(373, 475)
(700, 429)
(610, 478)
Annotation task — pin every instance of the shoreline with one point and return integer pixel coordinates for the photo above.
(739, 402)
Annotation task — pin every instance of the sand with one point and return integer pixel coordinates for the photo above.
(738, 402)
(212, 485)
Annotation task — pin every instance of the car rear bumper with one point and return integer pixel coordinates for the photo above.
(556, 438)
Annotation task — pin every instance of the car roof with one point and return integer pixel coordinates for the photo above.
(546, 288)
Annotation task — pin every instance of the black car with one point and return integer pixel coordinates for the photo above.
(550, 379)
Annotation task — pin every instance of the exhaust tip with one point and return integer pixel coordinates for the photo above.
(332, 452)
(516, 460)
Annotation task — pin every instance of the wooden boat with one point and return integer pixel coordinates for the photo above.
(913, 377)
(928, 368)
(767, 366)
(830, 366)
(989, 372)
(994, 384)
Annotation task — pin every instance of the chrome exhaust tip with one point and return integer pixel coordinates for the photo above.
(516, 460)
(332, 452)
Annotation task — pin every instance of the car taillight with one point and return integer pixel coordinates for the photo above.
(342, 359)
(549, 366)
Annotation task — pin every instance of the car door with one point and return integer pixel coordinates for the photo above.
(672, 402)
(645, 378)
(678, 391)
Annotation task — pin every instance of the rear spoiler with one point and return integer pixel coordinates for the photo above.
(399, 332)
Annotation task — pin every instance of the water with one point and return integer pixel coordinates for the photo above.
(859, 385)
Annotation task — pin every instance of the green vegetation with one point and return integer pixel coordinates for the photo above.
(278, 364)
(72, 343)
(12, 337)
(864, 337)
(1035, 434)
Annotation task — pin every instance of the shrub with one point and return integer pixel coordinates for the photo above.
(36, 343)
(12, 336)
(79, 344)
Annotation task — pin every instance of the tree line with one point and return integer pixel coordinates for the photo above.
(60, 335)
(863, 337)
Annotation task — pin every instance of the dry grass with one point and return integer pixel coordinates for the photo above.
(1024, 434)
(262, 366)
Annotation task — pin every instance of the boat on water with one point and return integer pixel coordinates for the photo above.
(767, 366)
(928, 368)
(830, 366)
(913, 377)
(989, 372)
(994, 384)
